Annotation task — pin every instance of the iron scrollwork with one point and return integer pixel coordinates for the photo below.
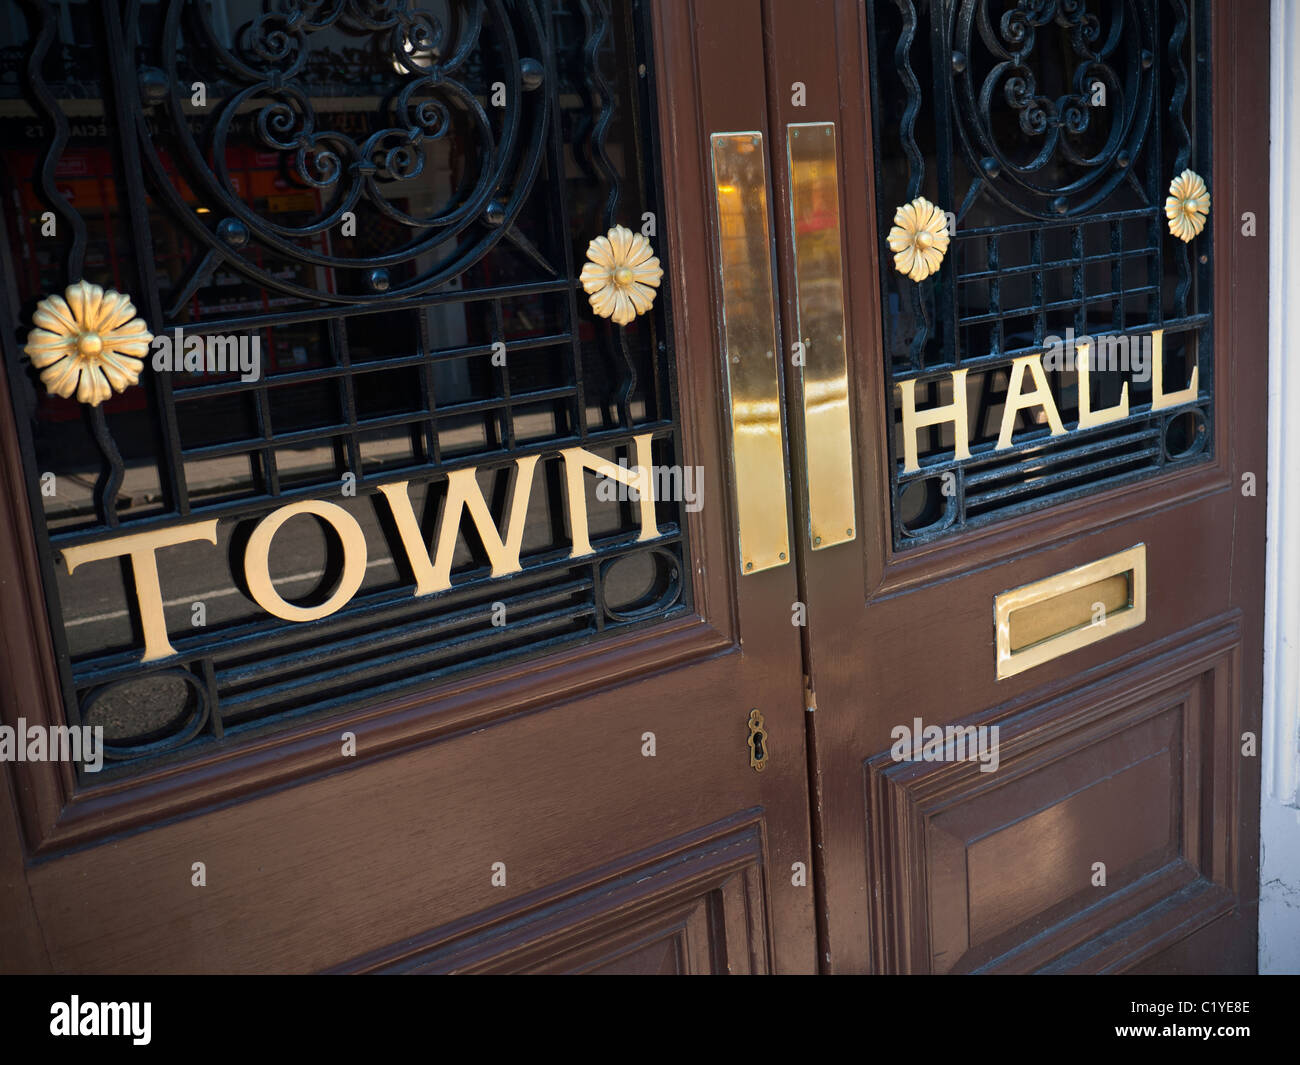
(1052, 129)
(266, 72)
(1072, 148)
(480, 144)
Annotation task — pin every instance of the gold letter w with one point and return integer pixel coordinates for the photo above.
(463, 493)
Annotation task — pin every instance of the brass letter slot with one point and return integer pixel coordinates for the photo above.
(744, 248)
(1044, 620)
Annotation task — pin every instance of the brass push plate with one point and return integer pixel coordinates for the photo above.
(1052, 617)
(744, 250)
(819, 306)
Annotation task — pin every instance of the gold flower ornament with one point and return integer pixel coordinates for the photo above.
(1187, 206)
(88, 343)
(621, 275)
(919, 238)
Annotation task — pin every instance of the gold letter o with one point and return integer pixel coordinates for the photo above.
(257, 560)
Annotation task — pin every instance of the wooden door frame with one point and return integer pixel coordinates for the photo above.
(1279, 932)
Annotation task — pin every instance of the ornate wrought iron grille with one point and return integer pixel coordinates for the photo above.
(472, 148)
(1051, 130)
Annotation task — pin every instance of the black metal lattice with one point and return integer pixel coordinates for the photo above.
(991, 109)
(381, 355)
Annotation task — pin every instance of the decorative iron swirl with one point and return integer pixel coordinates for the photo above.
(595, 16)
(1178, 98)
(915, 162)
(1177, 106)
(113, 469)
(907, 126)
(49, 188)
(270, 57)
(1041, 115)
(1061, 176)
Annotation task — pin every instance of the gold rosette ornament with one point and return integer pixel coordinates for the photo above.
(88, 343)
(1187, 206)
(919, 238)
(621, 275)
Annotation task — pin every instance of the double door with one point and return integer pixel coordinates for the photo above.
(917, 651)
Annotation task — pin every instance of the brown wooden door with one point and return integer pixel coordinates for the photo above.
(1135, 751)
(553, 764)
(547, 765)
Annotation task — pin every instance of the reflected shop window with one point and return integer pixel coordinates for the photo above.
(388, 212)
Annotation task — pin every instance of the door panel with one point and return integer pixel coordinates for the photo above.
(695, 908)
(1123, 768)
(571, 789)
(1127, 751)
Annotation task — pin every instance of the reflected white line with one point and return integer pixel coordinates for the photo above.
(216, 594)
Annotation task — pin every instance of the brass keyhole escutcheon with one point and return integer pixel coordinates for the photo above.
(758, 743)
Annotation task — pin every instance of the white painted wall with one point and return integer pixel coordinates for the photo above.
(1279, 903)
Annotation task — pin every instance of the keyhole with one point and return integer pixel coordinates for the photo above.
(758, 746)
